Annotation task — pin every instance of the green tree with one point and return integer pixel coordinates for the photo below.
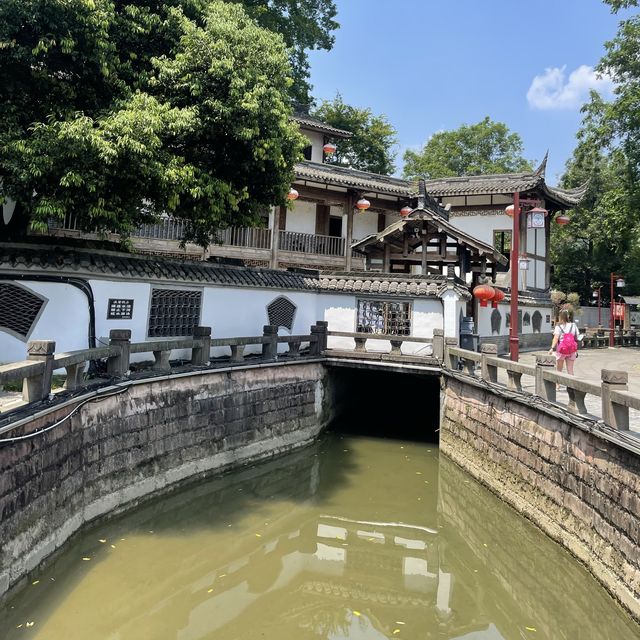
(305, 25)
(371, 146)
(119, 111)
(481, 148)
(604, 235)
(603, 229)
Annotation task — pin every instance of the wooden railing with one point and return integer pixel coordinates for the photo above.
(251, 237)
(614, 399)
(165, 229)
(36, 373)
(311, 243)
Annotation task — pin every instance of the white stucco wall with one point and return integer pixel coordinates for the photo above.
(317, 141)
(65, 319)
(364, 224)
(484, 320)
(302, 218)
(230, 311)
(482, 227)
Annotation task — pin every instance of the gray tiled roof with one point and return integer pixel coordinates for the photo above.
(48, 260)
(505, 183)
(307, 122)
(352, 178)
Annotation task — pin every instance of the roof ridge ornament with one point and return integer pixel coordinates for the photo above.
(542, 169)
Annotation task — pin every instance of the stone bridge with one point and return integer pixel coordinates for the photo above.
(563, 450)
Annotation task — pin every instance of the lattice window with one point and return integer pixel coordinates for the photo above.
(174, 312)
(281, 312)
(19, 309)
(379, 316)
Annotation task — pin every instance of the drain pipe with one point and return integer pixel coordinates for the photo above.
(78, 283)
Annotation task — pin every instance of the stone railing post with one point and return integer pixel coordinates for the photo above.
(489, 372)
(201, 347)
(615, 415)
(321, 331)
(396, 347)
(545, 388)
(450, 361)
(118, 365)
(361, 344)
(438, 344)
(38, 387)
(270, 348)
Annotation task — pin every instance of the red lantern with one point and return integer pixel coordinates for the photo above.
(498, 297)
(329, 148)
(562, 219)
(363, 204)
(484, 293)
(509, 210)
(293, 194)
(405, 211)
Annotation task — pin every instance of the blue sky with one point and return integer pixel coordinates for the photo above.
(431, 65)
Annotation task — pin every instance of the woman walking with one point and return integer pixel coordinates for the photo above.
(565, 342)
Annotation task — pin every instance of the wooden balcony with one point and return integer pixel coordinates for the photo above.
(245, 243)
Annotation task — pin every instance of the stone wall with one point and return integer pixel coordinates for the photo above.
(580, 489)
(528, 341)
(151, 435)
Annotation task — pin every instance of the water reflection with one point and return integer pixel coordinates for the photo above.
(353, 538)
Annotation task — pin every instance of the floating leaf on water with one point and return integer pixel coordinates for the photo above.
(222, 575)
(18, 627)
(102, 540)
(86, 559)
(30, 624)
(210, 591)
(35, 582)
(396, 631)
(113, 546)
(357, 613)
(400, 622)
(418, 473)
(530, 628)
(484, 544)
(258, 535)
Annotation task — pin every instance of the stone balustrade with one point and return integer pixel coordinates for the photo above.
(615, 401)
(36, 371)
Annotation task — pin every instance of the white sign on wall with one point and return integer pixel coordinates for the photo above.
(634, 318)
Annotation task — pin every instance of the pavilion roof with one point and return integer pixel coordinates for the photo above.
(336, 175)
(426, 213)
(506, 183)
(313, 124)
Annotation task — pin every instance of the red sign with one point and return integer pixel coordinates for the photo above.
(618, 310)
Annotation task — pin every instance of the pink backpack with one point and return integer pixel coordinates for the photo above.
(568, 343)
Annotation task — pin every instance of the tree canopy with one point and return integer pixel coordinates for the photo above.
(481, 148)
(119, 111)
(305, 25)
(604, 234)
(371, 146)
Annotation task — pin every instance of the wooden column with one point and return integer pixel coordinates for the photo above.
(349, 204)
(387, 258)
(280, 219)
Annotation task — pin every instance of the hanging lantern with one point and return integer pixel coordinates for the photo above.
(484, 293)
(562, 219)
(363, 204)
(293, 194)
(329, 148)
(405, 211)
(509, 210)
(498, 297)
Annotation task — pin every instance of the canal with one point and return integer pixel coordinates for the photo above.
(353, 538)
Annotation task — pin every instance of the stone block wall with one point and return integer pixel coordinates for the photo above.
(580, 489)
(114, 452)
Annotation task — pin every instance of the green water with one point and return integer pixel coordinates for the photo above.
(353, 538)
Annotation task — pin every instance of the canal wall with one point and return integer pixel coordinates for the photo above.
(581, 489)
(140, 438)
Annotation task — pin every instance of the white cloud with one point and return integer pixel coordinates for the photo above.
(553, 90)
